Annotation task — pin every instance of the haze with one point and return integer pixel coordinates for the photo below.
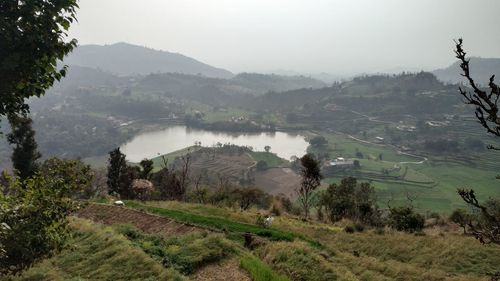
(339, 37)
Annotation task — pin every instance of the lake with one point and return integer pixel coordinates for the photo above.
(151, 144)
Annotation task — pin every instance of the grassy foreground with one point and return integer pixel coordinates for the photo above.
(122, 252)
(97, 252)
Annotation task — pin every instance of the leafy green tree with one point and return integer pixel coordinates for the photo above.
(351, 200)
(405, 219)
(147, 168)
(261, 165)
(461, 217)
(25, 152)
(247, 196)
(117, 169)
(318, 141)
(310, 172)
(32, 40)
(70, 172)
(34, 221)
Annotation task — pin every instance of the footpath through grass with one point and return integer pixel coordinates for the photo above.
(217, 222)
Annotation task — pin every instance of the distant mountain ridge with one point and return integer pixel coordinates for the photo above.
(481, 70)
(126, 59)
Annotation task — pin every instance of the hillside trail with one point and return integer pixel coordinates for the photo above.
(153, 224)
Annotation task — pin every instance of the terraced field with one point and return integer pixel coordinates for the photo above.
(232, 166)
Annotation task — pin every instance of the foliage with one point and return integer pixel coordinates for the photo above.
(25, 152)
(34, 216)
(247, 196)
(261, 165)
(461, 217)
(70, 172)
(318, 141)
(120, 175)
(147, 168)
(351, 200)
(405, 219)
(33, 41)
(311, 179)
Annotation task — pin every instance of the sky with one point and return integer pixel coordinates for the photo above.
(342, 37)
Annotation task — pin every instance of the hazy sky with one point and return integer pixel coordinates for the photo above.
(310, 36)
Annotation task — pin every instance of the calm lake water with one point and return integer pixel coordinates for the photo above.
(151, 144)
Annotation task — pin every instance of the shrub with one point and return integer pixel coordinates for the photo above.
(33, 219)
(405, 219)
(359, 227)
(261, 165)
(351, 200)
(349, 229)
(461, 217)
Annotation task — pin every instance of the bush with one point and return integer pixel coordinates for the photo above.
(349, 229)
(261, 165)
(405, 219)
(34, 221)
(359, 227)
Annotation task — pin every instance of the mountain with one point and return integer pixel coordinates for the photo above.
(275, 83)
(481, 70)
(126, 59)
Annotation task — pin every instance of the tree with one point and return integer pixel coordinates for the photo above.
(261, 165)
(247, 196)
(318, 141)
(34, 222)
(70, 172)
(25, 152)
(117, 168)
(405, 219)
(267, 148)
(350, 200)
(147, 168)
(486, 111)
(461, 217)
(311, 179)
(33, 39)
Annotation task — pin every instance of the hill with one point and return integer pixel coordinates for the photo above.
(169, 239)
(275, 83)
(128, 59)
(482, 69)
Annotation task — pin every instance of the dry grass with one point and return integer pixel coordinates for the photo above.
(99, 253)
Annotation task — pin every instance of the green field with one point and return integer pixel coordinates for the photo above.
(270, 158)
(434, 182)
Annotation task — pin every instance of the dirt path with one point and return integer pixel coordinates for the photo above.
(148, 223)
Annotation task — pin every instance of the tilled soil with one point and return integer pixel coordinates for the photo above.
(149, 223)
